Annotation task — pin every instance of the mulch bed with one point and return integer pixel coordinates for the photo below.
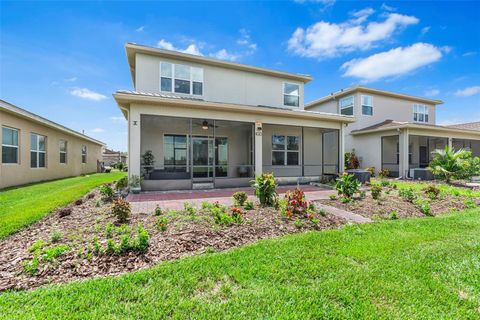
(185, 236)
(374, 209)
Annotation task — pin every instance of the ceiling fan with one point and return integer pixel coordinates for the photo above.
(206, 125)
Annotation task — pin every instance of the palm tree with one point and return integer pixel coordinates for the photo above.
(449, 164)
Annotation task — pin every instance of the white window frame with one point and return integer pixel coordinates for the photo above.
(420, 110)
(12, 146)
(366, 105)
(38, 151)
(293, 95)
(347, 107)
(173, 78)
(63, 152)
(286, 151)
(84, 154)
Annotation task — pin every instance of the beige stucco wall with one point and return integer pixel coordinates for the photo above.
(21, 173)
(384, 108)
(220, 84)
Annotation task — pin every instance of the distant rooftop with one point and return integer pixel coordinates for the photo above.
(349, 90)
(469, 126)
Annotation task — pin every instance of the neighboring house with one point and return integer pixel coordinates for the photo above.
(110, 157)
(212, 123)
(395, 131)
(36, 149)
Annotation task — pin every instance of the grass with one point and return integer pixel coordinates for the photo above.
(405, 269)
(24, 205)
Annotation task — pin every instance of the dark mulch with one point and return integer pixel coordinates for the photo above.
(186, 235)
(381, 209)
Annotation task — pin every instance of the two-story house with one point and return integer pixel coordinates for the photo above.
(212, 123)
(394, 131)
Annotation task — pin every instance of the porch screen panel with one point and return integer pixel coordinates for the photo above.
(391, 155)
(331, 152)
(312, 151)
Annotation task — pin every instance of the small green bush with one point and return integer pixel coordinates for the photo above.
(322, 212)
(333, 197)
(470, 204)
(432, 191)
(345, 200)
(56, 236)
(142, 239)
(298, 223)
(122, 183)
(384, 173)
(188, 208)
(162, 223)
(347, 186)
(51, 254)
(408, 194)
(239, 198)
(107, 192)
(265, 189)
(424, 206)
(249, 205)
(385, 183)
(376, 192)
(121, 210)
(393, 215)
(158, 211)
(31, 267)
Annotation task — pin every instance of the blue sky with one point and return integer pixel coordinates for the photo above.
(63, 60)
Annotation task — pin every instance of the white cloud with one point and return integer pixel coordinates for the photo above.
(72, 79)
(386, 7)
(191, 49)
(432, 92)
(246, 41)
(392, 63)
(97, 130)
(223, 54)
(446, 49)
(468, 54)
(325, 39)
(87, 94)
(425, 30)
(118, 119)
(361, 15)
(467, 92)
(140, 29)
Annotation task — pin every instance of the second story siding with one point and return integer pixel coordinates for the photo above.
(222, 84)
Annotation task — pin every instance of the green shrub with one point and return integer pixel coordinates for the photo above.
(56, 236)
(237, 214)
(122, 183)
(384, 173)
(121, 210)
(298, 223)
(385, 183)
(31, 267)
(347, 186)
(282, 206)
(322, 212)
(188, 208)
(363, 194)
(36, 246)
(158, 211)
(376, 192)
(432, 191)
(393, 215)
(142, 239)
(470, 204)
(249, 205)
(333, 197)
(162, 223)
(96, 245)
(351, 160)
(371, 170)
(239, 198)
(408, 194)
(109, 228)
(107, 192)
(51, 254)
(448, 164)
(424, 206)
(265, 189)
(345, 200)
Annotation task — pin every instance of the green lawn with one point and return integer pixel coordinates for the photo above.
(424, 268)
(24, 205)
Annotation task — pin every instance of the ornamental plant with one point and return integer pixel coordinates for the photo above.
(448, 164)
(107, 192)
(347, 186)
(121, 209)
(239, 198)
(376, 191)
(351, 160)
(265, 189)
(296, 203)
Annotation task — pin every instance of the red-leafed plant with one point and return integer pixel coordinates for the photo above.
(296, 203)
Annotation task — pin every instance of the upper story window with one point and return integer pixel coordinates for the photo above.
(291, 94)
(367, 105)
(84, 154)
(38, 156)
(63, 151)
(285, 150)
(180, 78)
(420, 113)
(9, 145)
(346, 106)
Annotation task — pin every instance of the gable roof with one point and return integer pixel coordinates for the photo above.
(469, 126)
(133, 48)
(392, 125)
(350, 90)
(10, 108)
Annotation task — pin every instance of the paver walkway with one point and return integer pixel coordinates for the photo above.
(148, 201)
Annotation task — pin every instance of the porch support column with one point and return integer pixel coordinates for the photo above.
(341, 148)
(134, 156)
(403, 141)
(450, 142)
(258, 148)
